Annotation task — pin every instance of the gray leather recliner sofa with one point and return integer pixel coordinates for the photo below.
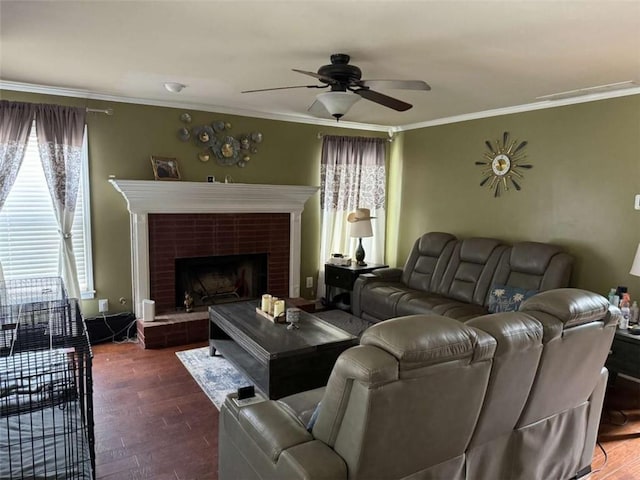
(452, 277)
(514, 395)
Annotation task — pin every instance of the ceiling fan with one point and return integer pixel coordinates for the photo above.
(347, 87)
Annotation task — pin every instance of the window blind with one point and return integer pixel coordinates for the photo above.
(29, 238)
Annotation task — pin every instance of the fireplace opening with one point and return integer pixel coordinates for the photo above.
(220, 279)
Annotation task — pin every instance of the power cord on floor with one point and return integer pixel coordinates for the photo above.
(106, 324)
(606, 458)
(128, 338)
(113, 335)
(610, 420)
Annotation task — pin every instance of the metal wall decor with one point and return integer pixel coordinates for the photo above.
(215, 141)
(503, 166)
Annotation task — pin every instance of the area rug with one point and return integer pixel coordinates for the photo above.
(215, 375)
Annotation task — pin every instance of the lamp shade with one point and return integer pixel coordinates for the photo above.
(361, 229)
(635, 266)
(337, 103)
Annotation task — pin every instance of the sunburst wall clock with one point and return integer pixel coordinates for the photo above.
(503, 167)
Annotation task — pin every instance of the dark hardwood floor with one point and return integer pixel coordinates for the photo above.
(154, 422)
(619, 434)
(152, 419)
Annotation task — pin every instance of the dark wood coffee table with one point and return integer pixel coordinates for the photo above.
(278, 361)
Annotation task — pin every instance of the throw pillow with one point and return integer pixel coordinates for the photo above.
(508, 299)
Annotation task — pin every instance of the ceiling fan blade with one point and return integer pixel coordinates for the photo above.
(397, 84)
(385, 100)
(323, 78)
(283, 88)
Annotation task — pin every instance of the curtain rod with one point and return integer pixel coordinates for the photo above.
(390, 139)
(106, 111)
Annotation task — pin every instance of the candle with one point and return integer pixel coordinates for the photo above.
(278, 308)
(266, 303)
(272, 304)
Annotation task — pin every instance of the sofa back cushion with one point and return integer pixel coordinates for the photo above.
(378, 409)
(519, 339)
(427, 261)
(471, 269)
(534, 266)
(578, 331)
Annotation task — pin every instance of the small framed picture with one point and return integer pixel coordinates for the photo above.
(165, 168)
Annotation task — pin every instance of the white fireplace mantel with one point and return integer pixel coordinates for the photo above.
(148, 196)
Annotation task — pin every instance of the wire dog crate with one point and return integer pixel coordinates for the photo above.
(46, 390)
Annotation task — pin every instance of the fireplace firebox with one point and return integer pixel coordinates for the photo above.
(220, 278)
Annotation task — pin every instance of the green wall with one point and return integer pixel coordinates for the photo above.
(579, 193)
(121, 145)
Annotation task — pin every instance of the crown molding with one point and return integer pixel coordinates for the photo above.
(527, 107)
(77, 93)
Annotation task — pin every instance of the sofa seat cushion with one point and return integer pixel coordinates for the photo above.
(415, 302)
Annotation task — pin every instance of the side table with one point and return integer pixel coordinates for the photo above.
(625, 355)
(343, 277)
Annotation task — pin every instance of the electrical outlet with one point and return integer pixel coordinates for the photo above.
(103, 305)
(309, 282)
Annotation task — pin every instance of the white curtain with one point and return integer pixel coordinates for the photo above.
(353, 175)
(15, 125)
(60, 133)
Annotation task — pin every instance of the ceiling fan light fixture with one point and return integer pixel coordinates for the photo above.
(174, 87)
(337, 103)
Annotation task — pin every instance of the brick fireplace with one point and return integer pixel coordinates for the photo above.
(196, 218)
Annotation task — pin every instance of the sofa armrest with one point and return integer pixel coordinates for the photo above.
(386, 274)
(272, 428)
(390, 274)
(264, 441)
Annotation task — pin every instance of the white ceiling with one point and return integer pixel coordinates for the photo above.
(478, 56)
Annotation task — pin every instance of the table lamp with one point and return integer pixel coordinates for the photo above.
(360, 222)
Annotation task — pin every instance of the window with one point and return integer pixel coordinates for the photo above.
(29, 238)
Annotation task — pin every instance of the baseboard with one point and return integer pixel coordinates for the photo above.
(114, 327)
